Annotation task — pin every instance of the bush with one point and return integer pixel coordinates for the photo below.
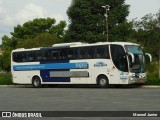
(5, 79)
(152, 74)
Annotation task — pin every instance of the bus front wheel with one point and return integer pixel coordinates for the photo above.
(103, 81)
(36, 82)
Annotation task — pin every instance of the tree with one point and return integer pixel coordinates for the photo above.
(87, 22)
(6, 60)
(148, 34)
(33, 28)
(7, 46)
(8, 43)
(41, 40)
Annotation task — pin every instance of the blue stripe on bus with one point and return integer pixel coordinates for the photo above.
(46, 77)
(45, 74)
(80, 65)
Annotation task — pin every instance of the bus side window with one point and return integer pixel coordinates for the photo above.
(55, 55)
(71, 54)
(106, 52)
(24, 57)
(90, 52)
(17, 57)
(82, 53)
(45, 55)
(20, 57)
(52, 55)
(98, 53)
(76, 51)
(63, 55)
(38, 56)
(30, 56)
(102, 52)
(49, 55)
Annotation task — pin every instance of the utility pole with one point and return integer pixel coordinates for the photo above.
(106, 7)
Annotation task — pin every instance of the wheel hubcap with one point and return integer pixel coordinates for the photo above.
(36, 82)
(103, 82)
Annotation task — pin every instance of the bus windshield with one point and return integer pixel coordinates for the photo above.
(139, 65)
(133, 49)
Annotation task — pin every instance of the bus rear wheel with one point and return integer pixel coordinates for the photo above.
(103, 82)
(36, 82)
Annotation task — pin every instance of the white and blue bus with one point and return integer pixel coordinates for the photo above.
(102, 63)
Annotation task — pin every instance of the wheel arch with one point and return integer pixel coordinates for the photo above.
(102, 75)
(36, 81)
(35, 76)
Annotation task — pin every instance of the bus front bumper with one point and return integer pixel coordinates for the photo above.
(135, 80)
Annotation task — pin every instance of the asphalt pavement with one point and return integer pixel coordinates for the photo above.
(73, 98)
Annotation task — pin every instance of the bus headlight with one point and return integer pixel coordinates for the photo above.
(131, 79)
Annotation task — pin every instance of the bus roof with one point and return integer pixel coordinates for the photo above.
(76, 44)
(91, 44)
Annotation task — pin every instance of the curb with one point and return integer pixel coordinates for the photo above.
(23, 86)
(28, 86)
(150, 86)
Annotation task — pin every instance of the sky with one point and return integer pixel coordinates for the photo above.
(14, 12)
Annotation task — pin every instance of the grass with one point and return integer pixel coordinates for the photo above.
(152, 79)
(5, 79)
(152, 74)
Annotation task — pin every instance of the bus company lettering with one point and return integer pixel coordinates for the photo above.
(81, 65)
(100, 64)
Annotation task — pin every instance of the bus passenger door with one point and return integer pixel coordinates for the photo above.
(114, 75)
(119, 72)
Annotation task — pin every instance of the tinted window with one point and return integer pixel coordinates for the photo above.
(30, 56)
(63, 54)
(81, 53)
(41, 55)
(71, 54)
(102, 52)
(119, 57)
(90, 52)
(19, 57)
(93, 52)
(53, 55)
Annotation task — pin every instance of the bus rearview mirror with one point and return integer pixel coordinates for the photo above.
(132, 57)
(148, 57)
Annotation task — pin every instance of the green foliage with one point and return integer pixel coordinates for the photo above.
(148, 33)
(153, 82)
(33, 28)
(58, 30)
(152, 74)
(6, 60)
(8, 43)
(152, 69)
(7, 46)
(1, 63)
(87, 22)
(41, 40)
(5, 79)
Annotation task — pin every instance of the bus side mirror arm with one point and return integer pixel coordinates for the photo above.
(150, 56)
(132, 56)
